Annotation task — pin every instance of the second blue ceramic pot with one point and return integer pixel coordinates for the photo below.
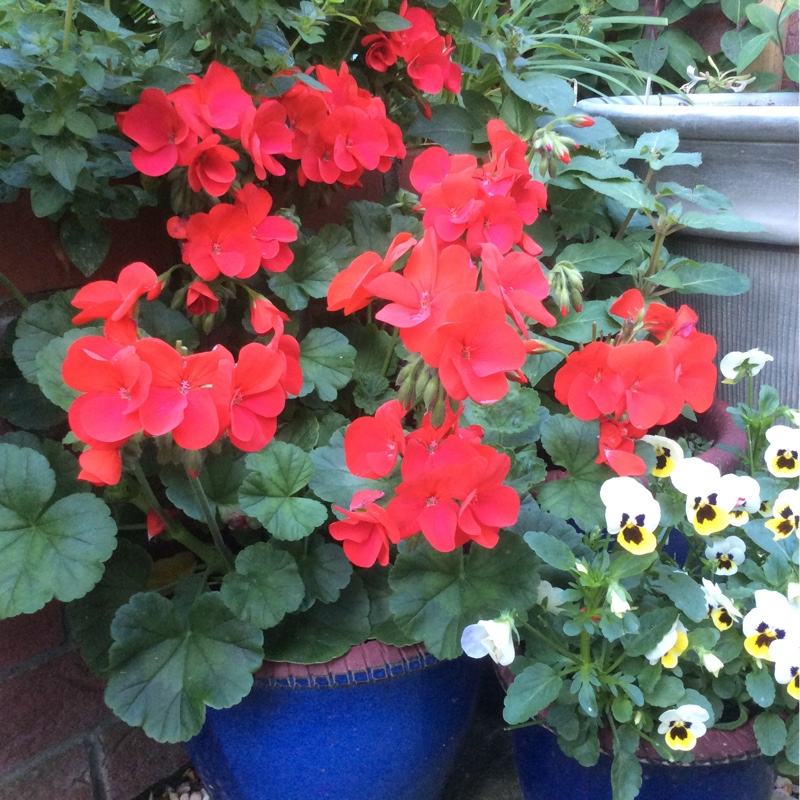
(381, 722)
(736, 772)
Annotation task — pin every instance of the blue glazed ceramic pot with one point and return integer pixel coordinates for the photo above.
(380, 722)
(729, 766)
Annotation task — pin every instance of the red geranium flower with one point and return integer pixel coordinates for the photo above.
(265, 316)
(180, 399)
(272, 233)
(372, 445)
(211, 166)
(116, 299)
(587, 384)
(200, 299)
(366, 534)
(474, 349)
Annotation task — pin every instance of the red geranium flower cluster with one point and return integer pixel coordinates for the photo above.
(134, 385)
(425, 52)
(466, 323)
(451, 487)
(631, 386)
(335, 136)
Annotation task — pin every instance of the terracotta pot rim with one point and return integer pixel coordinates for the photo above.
(367, 662)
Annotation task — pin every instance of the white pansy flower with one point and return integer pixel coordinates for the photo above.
(709, 499)
(720, 607)
(683, 726)
(632, 513)
(727, 554)
(786, 655)
(490, 637)
(785, 514)
(670, 647)
(748, 497)
(668, 454)
(772, 620)
(618, 600)
(783, 452)
(712, 663)
(736, 365)
(549, 596)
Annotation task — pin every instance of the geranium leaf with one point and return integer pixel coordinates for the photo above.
(46, 552)
(387, 21)
(543, 90)
(22, 403)
(531, 692)
(38, 325)
(602, 257)
(333, 482)
(166, 667)
(450, 126)
(572, 444)
(62, 461)
(384, 627)
(323, 566)
(324, 632)
(436, 595)
(509, 422)
(327, 360)
(64, 160)
(166, 323)
(90, 617)
(580, 327)
(221, 477)
(265, 586)
(48, 367)
(276, 474)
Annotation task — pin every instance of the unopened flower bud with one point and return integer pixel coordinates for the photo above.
(580, 121)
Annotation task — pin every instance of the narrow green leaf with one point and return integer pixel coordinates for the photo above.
(387, 21)
(707, 278)
(531, 692)
(551, 550)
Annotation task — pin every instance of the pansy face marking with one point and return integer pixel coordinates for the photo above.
(773, 620)
(668, 454)
(786, 655)
(726, 554)
(720, 608)
(631, 513)
(783, 452)
(710, 497)
(785, 514)
(683, 726)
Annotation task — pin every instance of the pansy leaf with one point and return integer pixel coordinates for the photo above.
(550, 550)
(323, 632)
(770, 731)
(90, 617)
(48, 367)
(333, 482)
(46, 551)
(533, 518)
(626, 565)
(685, 593)
(667, 692)
(221, 477)
(265, 586)
(436, 595)
(626, 775)
(327, 360)
(166, 667)
(653, 626)
(276, 474)
(38, 324)
(761, 687)
(531, 692)
(572, 444)
(323, 566)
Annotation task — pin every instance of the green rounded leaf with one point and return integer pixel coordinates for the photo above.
(276, 474)
(50, 552)
(326, 359)
(265, 586)
(770, 731)
(531, 692)
(166, 667)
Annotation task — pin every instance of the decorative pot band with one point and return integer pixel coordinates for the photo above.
(371, 661)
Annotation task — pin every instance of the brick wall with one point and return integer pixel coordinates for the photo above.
(58, 740)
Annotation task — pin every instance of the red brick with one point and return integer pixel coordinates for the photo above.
(132, 762)
(66, 777)
(29, 635)
(44, 706)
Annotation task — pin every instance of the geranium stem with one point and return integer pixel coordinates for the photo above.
(210, 518)
(174, 529)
